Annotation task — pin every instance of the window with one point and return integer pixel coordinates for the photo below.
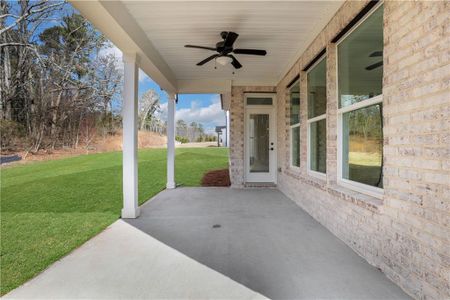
(294, 108)
(259, 101)
(317, 129)
(360, 78)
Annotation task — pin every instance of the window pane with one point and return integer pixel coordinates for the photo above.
(360, 61)
(317, 90)
(362, 159)
(295, 103)
(318, 146)
(295, 146)
(259, 101)
(259, 143)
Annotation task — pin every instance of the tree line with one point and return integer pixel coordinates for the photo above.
(56, 89)
(192, 132)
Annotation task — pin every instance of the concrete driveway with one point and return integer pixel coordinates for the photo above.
(211, 243)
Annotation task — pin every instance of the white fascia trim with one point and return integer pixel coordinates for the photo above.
(255, 82)
(204, 86)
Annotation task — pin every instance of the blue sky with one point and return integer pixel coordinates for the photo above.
(201, 108)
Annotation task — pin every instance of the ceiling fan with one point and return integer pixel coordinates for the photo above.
(225, 48)
(377, 64)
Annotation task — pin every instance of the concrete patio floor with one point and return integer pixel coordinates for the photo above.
(265, 242)
(210, 243)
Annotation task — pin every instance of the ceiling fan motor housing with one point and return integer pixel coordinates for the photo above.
(222, 49)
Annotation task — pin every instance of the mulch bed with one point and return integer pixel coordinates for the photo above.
(216, 178)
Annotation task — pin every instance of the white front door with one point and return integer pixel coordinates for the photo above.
(260, 144)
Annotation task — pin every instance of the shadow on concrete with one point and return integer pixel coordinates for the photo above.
(264, 241)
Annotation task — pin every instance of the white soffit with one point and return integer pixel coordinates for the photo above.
(283, 28)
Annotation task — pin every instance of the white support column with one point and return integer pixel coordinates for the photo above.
(130, 137)
(227, 133)
(171, 142)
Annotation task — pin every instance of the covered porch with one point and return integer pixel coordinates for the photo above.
(152, 36)
(203, 243)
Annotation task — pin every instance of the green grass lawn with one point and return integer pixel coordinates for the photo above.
(50, 208)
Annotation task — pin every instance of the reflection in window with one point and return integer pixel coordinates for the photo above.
(317, 90)
(318, 146)
(259, 143)
(317, 107)
(295, 124)
(360, 61)
(295, 103)
(363, 145)
(295, 142)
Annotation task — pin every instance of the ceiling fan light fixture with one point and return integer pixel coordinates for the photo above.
(224, 60)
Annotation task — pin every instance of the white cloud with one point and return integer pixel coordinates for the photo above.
(210, 116)
(163, 111)
(111, 50)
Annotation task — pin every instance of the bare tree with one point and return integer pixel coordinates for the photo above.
(52, 81)
(148, 105)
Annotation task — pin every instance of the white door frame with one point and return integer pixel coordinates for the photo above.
(271, 176)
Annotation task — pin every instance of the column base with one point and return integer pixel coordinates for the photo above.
(130, 213)
(170, 185)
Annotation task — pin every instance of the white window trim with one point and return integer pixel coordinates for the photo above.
(310, 172)
(291, 165)
(292, 126)
(313, 173)
(350, 184)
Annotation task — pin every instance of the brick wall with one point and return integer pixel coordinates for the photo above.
(407, 233)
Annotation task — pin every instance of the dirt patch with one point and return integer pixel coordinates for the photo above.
(217, 178)
(114, 143)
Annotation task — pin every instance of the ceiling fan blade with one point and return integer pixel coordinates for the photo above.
(200, 47)
(374, 66)
(231, 38)
(376, 54)
(207, 59)
(236, 64)
(250, 51)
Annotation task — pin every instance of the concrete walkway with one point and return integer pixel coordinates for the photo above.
(213, 243)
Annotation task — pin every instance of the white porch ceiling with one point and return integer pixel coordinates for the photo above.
(283, 28)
